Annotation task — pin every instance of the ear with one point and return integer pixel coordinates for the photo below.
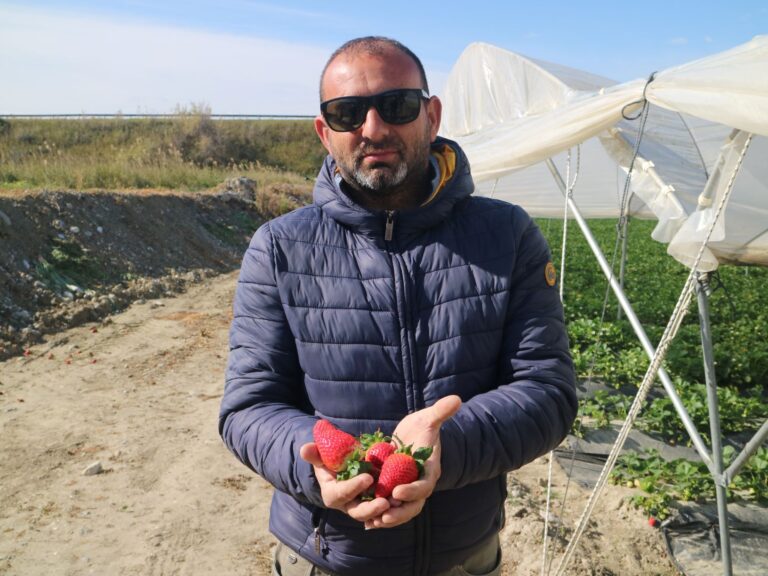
(434, 114)
(322, 130)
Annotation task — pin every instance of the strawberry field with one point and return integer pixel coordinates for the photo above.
(605, 349)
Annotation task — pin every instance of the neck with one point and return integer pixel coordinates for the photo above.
(400, 199)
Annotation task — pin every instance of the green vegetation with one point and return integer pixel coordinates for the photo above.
(664, 482)
(605, 349)
(740, 411)
(232, 232)
(608, 350)
(68, 266)
(191, 151)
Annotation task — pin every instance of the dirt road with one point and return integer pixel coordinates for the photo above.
(139, 395)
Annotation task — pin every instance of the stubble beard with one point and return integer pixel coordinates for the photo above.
(380, 179)
(383, 184)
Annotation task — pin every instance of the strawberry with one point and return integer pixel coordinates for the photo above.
(397, 469)
(378, 448)
(378, 454)
(402, 467)
(335, 446)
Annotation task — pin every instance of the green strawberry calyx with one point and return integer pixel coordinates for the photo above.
(368, 440)
(354, 465)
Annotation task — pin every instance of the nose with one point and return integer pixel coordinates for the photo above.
(374, 127)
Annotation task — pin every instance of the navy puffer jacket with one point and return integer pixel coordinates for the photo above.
(332, 320)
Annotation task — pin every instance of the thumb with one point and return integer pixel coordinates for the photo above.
(444, 408)
(309, 453)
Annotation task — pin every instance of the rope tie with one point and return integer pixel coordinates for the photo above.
(570, 185)
(643, 100)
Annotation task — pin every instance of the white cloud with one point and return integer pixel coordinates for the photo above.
(55, 63)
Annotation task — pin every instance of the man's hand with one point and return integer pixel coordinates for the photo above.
(344, 495)
(421, 429)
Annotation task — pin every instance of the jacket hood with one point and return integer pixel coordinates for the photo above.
(334, 203)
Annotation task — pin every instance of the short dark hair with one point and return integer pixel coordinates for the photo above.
(376, 45)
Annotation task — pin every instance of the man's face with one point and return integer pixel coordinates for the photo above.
(379, 157)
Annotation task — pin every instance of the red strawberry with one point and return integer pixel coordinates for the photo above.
(377, 454)
(335, 446)
(378, 448)
(402, 467)
(397, 469)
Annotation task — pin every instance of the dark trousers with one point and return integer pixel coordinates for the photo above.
(485, 562)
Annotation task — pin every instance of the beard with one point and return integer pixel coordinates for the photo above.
(403, 176)
(379, 177)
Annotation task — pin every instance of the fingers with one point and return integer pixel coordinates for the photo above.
(418, 490)
(309, 453)
(445, 408)
(342, 493)
(366, 510)
(396, 515)
(408, 499)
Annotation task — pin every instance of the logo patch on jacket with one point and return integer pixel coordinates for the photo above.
(549, 274)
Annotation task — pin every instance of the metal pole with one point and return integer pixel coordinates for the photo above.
(622, 265)
(750, 448)
(650, 350)
(702, 294)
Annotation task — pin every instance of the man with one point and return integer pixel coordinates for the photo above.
(397, 301)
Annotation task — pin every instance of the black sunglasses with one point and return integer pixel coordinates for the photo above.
(394, 106)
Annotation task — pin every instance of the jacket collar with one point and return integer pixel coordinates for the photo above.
(452, 182)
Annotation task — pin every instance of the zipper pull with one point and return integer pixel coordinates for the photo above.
(389, 225)
(317, 540)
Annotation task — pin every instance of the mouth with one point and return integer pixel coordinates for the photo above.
(385, 155)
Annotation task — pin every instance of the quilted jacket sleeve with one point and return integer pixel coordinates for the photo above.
(264, 420)
(534, 403)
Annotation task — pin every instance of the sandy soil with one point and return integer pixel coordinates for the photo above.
(139, 393)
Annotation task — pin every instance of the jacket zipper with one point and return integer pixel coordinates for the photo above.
(318, 521)
(404, 312)
(404, 304)
(389, 226)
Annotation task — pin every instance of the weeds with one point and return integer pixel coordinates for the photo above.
(190, 152)
(68, 268)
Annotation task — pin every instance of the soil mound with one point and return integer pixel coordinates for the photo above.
(71, 257)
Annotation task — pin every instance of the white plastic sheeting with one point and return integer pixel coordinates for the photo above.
(511, 114)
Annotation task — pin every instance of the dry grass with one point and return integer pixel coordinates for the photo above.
(188, 152)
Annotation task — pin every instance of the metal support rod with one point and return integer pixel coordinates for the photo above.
(623, 263)
(702, 295)
(649, 349)
(749, 449)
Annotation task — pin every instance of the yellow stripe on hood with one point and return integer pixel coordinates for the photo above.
(446, 163)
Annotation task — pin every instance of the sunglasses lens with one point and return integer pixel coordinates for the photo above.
(399, 107)
(345, 114)
(395, 107)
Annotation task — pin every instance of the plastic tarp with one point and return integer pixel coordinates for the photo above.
(692, 537)
(706, 118)
(691, 533)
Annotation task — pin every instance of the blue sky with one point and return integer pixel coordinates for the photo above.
(254, 57)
